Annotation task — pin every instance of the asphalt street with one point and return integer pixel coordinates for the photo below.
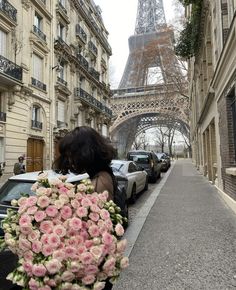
(182, 237)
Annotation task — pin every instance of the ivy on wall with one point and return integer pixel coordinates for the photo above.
(189, 41)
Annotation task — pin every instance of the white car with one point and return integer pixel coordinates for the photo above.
(137, 177)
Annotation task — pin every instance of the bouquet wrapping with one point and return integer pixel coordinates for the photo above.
(66, 236)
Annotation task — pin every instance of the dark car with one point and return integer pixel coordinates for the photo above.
(22, 183)
(148, 161)
(165, 161)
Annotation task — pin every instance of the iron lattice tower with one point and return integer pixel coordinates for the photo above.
(138, 104)
(150, 16)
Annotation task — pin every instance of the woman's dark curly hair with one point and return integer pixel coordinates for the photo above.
(84, 150)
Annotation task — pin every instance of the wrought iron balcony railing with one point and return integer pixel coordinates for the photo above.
(62, 42)
(62, 81)
(8, 9)
(82, 61)
(94, 73)
(3, 117)
(61, 124)
(92, 47)
(89, 99)
(80, 32)
(39, 33)
(38, 84)
(36, 124)
(10, 68)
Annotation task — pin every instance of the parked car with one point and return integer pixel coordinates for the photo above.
(22, 183)
(137, 177)
(147, 160)
(165, 161)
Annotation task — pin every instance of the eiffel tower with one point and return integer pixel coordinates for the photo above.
(147, 95)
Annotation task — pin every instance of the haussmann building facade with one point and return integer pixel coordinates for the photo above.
(213, 97)
(53, 77)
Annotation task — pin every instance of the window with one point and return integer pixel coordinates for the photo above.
(38, 21)
(61, 111)
(36, 117)
(36, 113)
(61, 31)
(63, 2)
(3, 43)
(37, 67)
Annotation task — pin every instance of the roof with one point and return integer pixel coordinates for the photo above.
(32, 176)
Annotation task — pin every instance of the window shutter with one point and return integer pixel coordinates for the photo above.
(61, 111)
(37, 67)
(3, 43)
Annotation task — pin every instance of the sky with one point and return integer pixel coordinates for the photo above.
(119, 17)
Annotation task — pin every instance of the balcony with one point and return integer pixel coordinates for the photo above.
(3, 117)
(59, 43)
(80, 94)
(10, 68)
(80, 32)
(62, 7)
(94, 73)
(39, 33)
(9, 10)
(62, 81)
(38, 84)
(36, 124)
(82, 61)
(92, 47)
(61, 124)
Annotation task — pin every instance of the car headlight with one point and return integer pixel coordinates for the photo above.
(123, 184)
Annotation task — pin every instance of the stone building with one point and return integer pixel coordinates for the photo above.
(213, 97)
(53, 76)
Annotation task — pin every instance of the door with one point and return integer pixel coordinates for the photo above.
(34, 161)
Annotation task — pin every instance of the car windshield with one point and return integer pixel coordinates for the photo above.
(117, 166)
(13, 189)
(139, 158)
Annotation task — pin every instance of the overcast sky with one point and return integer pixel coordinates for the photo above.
(119, 17)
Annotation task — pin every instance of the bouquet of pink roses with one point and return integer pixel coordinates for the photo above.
(66, 236)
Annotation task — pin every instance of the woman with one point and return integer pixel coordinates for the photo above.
(85, 150)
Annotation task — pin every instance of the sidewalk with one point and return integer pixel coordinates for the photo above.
(188, 240)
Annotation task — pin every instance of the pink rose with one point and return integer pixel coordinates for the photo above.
(119, 230)
(25, 220)
(27, 267)
(59, 230)
(53, 266)
(86, 258)
(36, 246)
(104, 214)
(54, 240)
(43, 201)
(85, 202)
(94, 231)
(82, 212)
(107, 238)
(51, 211)
(75, 223)
(89, 279)
(66, 212)
(121, 245)
(47, 250)
(39, 270)
(46, 227)
(99, 285)
(67, 276)
(33, 284)
(39, 215)
(31, 200)
(32, 210)
(70, 252)
(96, 251)
(94, 216)
(124, 263)
(58, 255)
(109, 264)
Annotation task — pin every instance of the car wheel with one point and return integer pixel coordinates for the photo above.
(146, 184)
(133, 194)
